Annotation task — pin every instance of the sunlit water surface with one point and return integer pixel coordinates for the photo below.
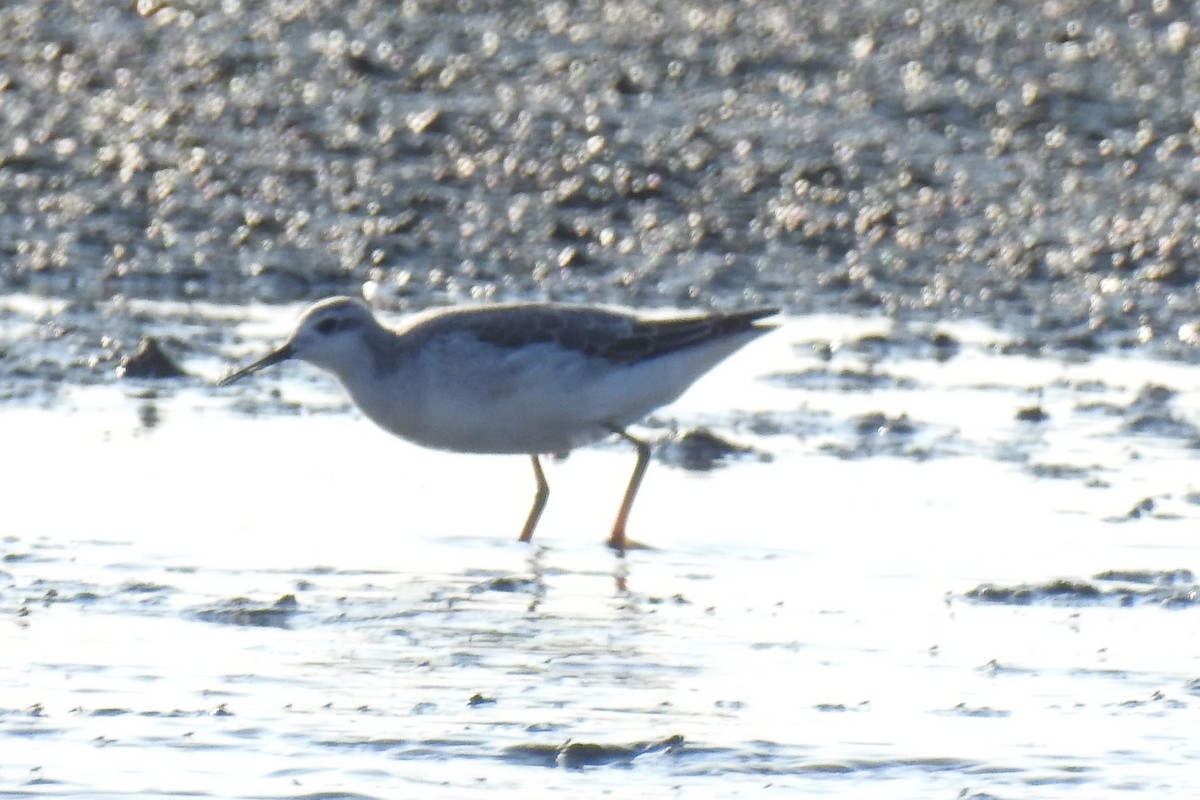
(272, 604)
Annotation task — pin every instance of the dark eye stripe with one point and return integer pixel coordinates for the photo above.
(327, 325)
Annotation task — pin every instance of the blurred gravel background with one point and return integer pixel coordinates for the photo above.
(1031, 164)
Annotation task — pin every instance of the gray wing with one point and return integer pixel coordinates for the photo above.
(651, 338)
(612, 335)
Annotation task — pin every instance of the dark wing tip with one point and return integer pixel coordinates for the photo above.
(753, 314)
(729, 322)
(651, 338)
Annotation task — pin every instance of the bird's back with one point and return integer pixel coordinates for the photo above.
(545, 378)
(616, 336)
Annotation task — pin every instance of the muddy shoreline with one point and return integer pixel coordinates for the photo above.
(1028, 168)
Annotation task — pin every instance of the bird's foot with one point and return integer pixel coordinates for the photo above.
(620, 544)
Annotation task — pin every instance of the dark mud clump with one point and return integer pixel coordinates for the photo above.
(701, 450)
(52, 596)
(945, 346)
(879, 434)
(1025, 595)
(1061, 471)
(1149, 414)
(878, 424)
(1170, 588)
(509, 584)
(150, 361)
(1146, 508)
(821, 379)
(242, 611)
(579, 755)
(1033, 414)
(1141, 576)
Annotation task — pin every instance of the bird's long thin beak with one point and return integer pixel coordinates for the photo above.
(282, 354)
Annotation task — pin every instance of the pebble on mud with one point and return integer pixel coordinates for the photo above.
(945, 346)
(150, 361)
(1032, 414)
(148, 415)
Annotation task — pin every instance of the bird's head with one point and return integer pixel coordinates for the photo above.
(329, 334)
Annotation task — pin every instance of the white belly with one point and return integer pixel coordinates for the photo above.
(536, 399)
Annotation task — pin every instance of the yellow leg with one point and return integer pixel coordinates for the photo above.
(617, 541)
(539, 501)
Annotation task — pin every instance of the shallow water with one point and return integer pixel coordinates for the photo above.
(263, 603)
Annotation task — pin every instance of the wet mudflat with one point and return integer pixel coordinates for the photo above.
(904, 583)
(934, 538)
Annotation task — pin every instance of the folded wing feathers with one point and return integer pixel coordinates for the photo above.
(613, 336)
(657, 337)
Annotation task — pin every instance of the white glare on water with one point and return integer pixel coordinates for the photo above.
(801, 621)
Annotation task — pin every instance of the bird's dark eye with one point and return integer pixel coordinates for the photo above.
(327, 325)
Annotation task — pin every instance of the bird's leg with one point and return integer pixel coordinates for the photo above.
(539, 501)
(617, 540)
